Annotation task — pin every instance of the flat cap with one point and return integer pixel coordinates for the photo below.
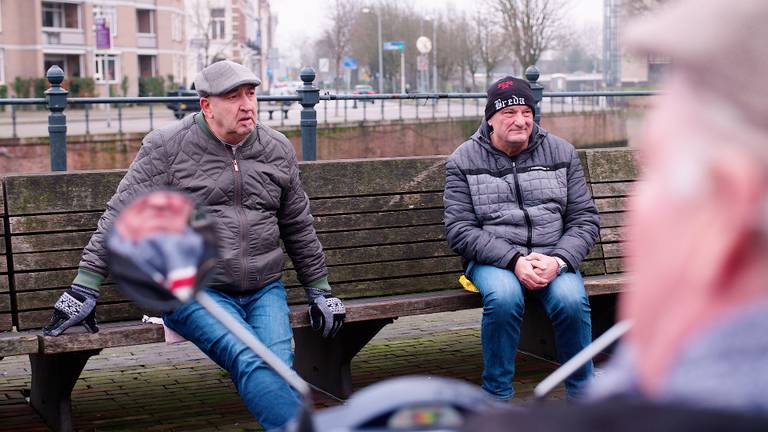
(223, 76)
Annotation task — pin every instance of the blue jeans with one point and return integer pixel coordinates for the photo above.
(567, 306)
(268, 397)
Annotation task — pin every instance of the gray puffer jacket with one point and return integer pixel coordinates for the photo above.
(498, 208)
(252, 190)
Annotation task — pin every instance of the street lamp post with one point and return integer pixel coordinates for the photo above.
(381, 56)
(434, 53)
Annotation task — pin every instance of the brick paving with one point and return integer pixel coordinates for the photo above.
(162, 387)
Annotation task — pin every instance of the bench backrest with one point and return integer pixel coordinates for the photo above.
(5, 291)
(380, 222)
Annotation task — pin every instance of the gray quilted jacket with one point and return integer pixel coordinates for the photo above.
(252, 190)
(498, 208)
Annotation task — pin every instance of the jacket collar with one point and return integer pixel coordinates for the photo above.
(199, 118)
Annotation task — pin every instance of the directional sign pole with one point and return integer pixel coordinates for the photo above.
(402, 71)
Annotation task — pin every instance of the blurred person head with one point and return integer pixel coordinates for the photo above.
(228, 99)
(698, 226)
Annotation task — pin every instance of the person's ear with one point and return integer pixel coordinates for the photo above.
(737, 197)
(205, 106)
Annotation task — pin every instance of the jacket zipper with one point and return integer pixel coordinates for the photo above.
(519, 199)
(242, 220)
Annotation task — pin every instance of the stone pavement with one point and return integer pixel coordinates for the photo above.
(162, 387)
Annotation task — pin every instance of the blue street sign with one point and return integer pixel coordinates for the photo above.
(349, 63)
(394, 46)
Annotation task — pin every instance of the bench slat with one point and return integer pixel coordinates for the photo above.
(614, 265)
(44, 279)
(605, 190)
(50, 242)
(29, 300)
(611, 219)
(384, 252)
(109, 335)
(54, 222)
(60, 192)
(612, 165)
(325, 207)
(381, 236)
(382, 270)
(323, 179)
(46, 260)
(17, 343)
(613, 234)
(104, 313)
(611, 204)
(378, 220)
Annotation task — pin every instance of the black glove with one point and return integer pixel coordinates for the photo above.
(326, 313)
(76, 306)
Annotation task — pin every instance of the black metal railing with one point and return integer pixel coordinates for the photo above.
(335, 109)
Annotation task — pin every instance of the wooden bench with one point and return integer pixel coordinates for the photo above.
(379, 220)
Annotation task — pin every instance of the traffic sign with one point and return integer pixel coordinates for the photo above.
(394, 46)
(349, 63)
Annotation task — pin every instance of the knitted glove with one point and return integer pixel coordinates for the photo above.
(326, 312)
(76, 306)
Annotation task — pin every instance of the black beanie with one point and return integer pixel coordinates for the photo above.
(506, 92)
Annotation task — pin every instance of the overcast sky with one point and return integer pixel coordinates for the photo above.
(301, 21)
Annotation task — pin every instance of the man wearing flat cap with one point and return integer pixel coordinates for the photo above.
(246, 177)
(518, 210)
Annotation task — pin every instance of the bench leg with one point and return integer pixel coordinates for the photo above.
(53, 378)
(327, 363)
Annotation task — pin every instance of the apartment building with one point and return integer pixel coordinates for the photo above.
(113, 41)
(237, 30)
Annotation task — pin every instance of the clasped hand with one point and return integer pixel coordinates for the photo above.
(535, 271)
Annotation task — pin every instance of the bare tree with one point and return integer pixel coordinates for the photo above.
(641, 7)
(337, 38)
(449, 54)
(489, 43)
(207, 34)
(466, 50)
(532, 26)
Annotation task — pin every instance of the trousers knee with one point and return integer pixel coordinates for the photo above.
(504, 305)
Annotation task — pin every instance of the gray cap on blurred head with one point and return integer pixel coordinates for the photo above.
(223, 76)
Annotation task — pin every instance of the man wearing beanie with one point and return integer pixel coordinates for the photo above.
(518, 210)
(244, 175)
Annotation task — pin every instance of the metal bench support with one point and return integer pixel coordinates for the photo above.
(53, 378)
(327, 363)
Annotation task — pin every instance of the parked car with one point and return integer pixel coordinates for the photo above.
(181, 109)
(284, 106)
(364, 89)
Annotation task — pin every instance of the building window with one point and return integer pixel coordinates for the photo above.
(61, 15)
(176, 27)
(147, 66)
(105, 68)
(178, 68)
(69, 63)
(109, 14)
(145, 21)
(2, 66)
(218, 24)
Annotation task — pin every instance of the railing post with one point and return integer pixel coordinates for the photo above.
(57, 122)
(310, 96)
(532, 75)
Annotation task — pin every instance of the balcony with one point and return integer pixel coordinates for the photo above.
(146, 40)
(63, 36)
